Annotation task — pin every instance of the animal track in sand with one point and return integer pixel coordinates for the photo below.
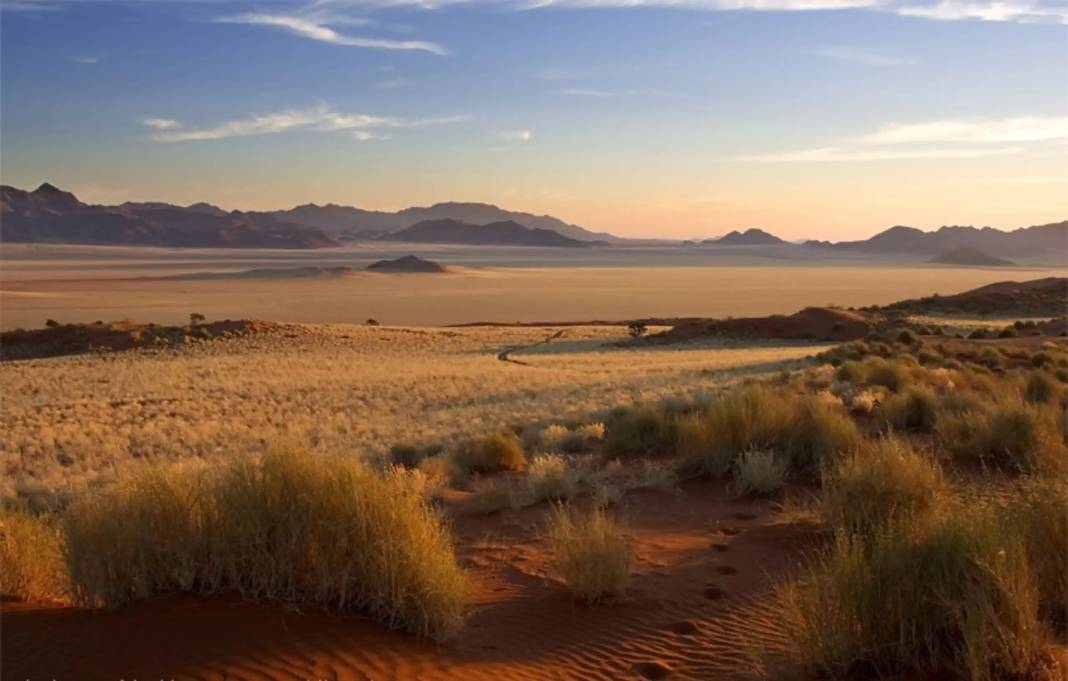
(652, 670)
(714, 593)
(726, 570)
(722, 548)
(730, 531)
(744, 516)
(684, 628)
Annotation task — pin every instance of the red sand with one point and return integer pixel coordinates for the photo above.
(698, 606)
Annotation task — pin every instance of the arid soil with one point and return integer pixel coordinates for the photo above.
(698, 608)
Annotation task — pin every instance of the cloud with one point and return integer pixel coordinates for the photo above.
(160, 123)
(86, 59)
(321, 118)
(825, 154)
(316, 28)
(585, 92)
(1023, 11)
(28, 6)
(934, 140)
(862, 56)
(515, 135)
(1018, 129)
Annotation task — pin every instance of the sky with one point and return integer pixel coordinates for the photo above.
(829, 119)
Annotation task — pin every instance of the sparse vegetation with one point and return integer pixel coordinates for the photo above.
(31, 557)
(760, 473)
(590, 553)
(640, 431)
(490, 453)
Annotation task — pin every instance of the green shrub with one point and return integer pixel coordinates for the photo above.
(590, 552)
(490, 453)
(640, 431)
(289, 526)
(915, 409)
(906, 336)
(882, 483)
(959, 601)
(1040, 359)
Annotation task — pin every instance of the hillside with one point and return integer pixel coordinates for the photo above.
(750, 237)
(51, 215)
(356, 222)
(408, 264)
(1049, 239)
(506, 233)
(1039, 297)
(970, 257)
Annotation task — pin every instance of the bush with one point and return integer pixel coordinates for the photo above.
(590, 553)
(906, 336)
(804, 430)
(290, 526)
(493, 495)
(978, 334)
(489, 454)
(890, 375)
(1011, 437)
(640, 431)
(759, 473)
(1040, 388)
(408, 456)
(960, 601)
(882, 483)
(1007, 332)
(31, 557)
(913, 410)
(550, 478)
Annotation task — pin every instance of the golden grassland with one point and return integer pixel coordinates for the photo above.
(940, 467)
(79, 420)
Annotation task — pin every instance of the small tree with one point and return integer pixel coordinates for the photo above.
(195, 319)
(636, 330)
(371, 322)
(51, 323)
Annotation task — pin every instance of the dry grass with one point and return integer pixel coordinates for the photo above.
(289, 526)
(490, 454)
(74, 421)
(882, 483)
(759, 473)
(590, 553)
(550, 478)
(31, 557)
(960, 601)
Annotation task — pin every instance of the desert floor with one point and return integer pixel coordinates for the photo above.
(83, 284)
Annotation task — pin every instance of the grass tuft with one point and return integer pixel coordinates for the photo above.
(590, 552)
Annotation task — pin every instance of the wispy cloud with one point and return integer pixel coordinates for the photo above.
(998, 130)
(515, 135)
(1023, 11)
(86, 59)
(587, 92)
(317, 28)
(160, 123)
(858, 55)
(319, 119)
(934, 140)
(28, 6)
(826, 154)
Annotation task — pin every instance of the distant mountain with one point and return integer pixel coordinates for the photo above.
(356, 222)
(1026, 241)
(750, 237)
(506, 233)
(407, 264)
(971, 257)
(48, 214)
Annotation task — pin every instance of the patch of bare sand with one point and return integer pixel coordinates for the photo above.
(698, 607)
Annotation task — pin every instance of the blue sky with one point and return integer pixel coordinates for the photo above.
(827, 118)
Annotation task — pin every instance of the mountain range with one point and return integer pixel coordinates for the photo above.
(51, 215)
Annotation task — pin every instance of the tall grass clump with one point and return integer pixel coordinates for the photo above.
(915, 409)
(490, 453)
(550, 478)
(958, 602)
(290, 526)
(590, 553)
(1040, 388)
(1012, 437)
(640, 431)
(890, 374)
(805, 430)
(1040, 515)
(759, 473)
(31, 557)
(882, 483)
